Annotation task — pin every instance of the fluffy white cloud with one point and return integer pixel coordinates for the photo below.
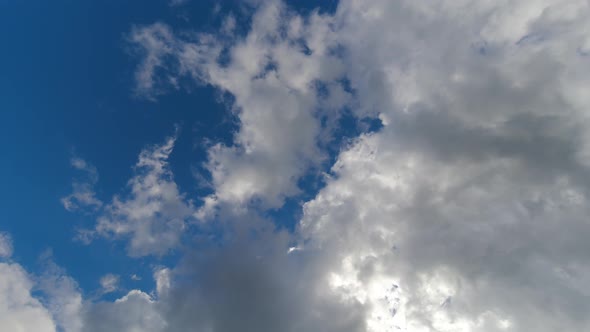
(460, 246)
(273, 75)
(47, 302)
(52, 301)
(19, 310)
(466, 212)
(136, 311)
(154, 215)
(83, 195)
(162, 277)
(62, 296)
(469, 207)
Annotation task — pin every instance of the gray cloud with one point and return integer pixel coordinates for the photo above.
(472, 198)
(252, 284)
(466, 212)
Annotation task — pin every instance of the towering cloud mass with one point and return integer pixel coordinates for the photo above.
(466, 211)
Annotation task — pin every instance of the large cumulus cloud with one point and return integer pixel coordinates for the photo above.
(466, 211)
(472, 198)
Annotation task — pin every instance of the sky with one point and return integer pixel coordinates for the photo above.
(267, 165)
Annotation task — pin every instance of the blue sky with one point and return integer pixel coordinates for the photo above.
(68, 84)
(69, 87)
(268, 165)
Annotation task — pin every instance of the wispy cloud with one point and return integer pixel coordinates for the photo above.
(109, 283)
(176, 3)
(83, 195)
(154, 214)
(5, 245)
(466, 211)
(273, 77)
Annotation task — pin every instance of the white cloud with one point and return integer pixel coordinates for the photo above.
(467, 211)
(273, 79)
(62, 296)
(135, 311)
(109, 283)
(5, 245)
(83, 195)
(58, 304)
(162, 277)
(154, 214)
(472, 198)
(48, 302)
(156, 41)
(19, 310)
